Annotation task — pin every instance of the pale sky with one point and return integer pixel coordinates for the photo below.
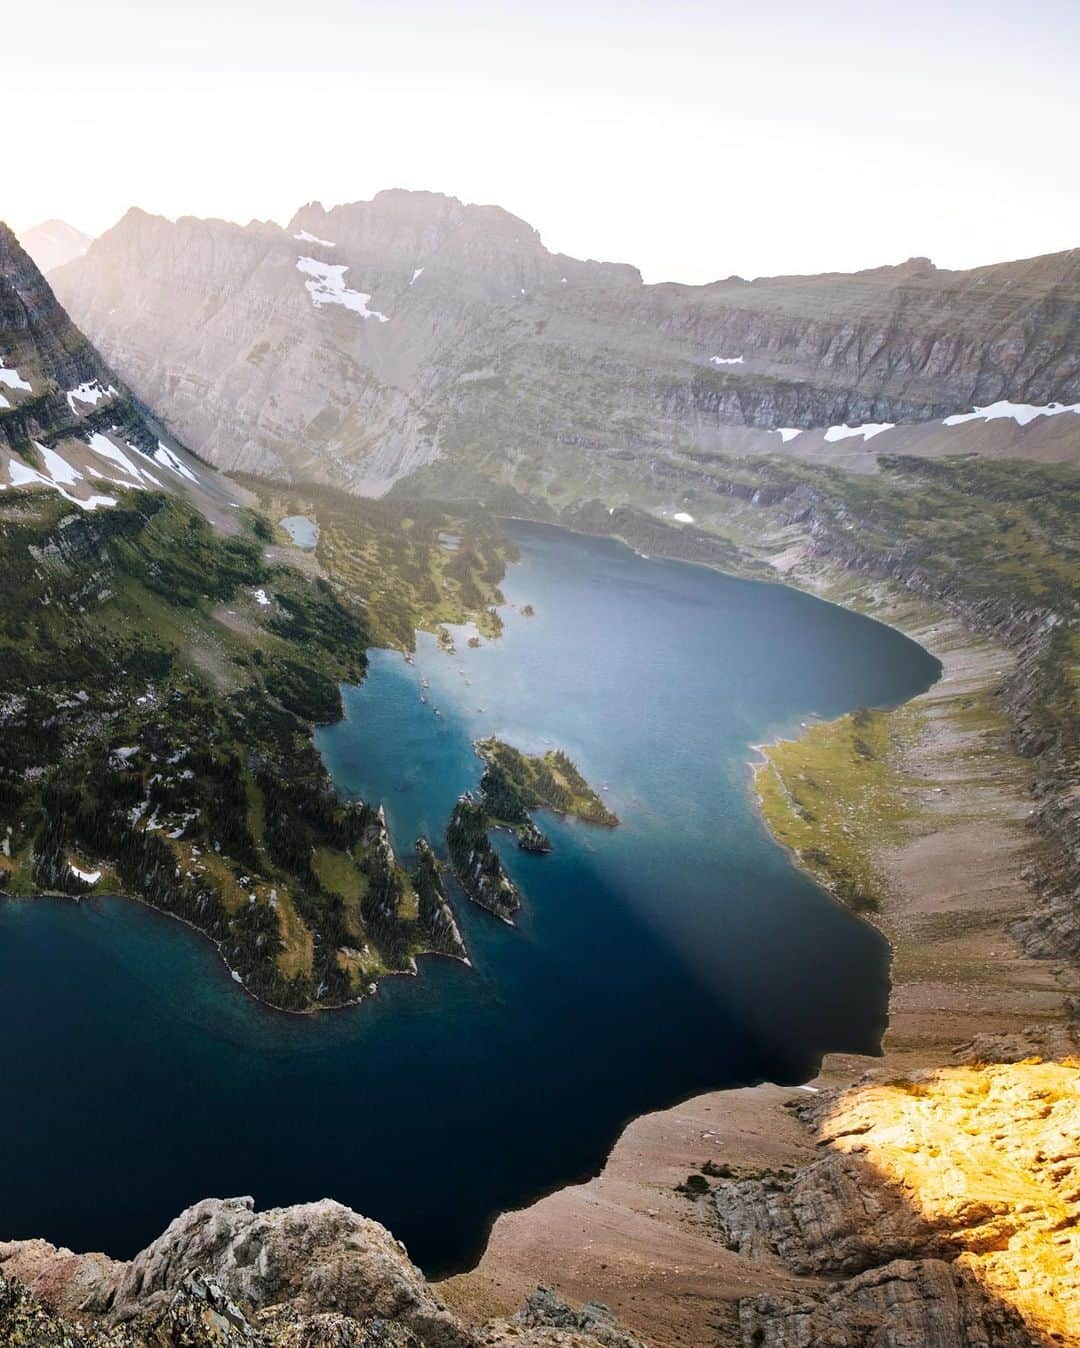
(693, 139)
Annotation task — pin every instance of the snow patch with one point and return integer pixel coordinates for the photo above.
(164, 455)
(416, 275)
(867, 431)
(327, 286)
(105, 447)
(682, 517)
(23, 476)
(58, 468)
(87, 877)
(1021, 413)
(12, 379)
(91, 393)
(100, 445)
(727, 360)
(262, 598)
(787, 433)
(3, 401)
(305, 237)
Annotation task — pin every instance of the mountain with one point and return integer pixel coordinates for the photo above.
(160, 678)
(56, 390)
(362, 343)
(54, 242)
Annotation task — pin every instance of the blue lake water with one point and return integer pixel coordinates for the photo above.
(678, 952)
(303, 531)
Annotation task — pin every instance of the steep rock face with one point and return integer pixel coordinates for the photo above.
(434, 910)
(476, 863)
(924, 1302)
(52, 380)
(948, 1203)
(360, 343)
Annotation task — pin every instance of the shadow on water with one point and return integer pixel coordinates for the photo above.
(677, 953)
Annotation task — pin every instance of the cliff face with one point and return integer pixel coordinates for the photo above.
(51, 378)
(944, 1212)
(224, 1275)
(360, 343)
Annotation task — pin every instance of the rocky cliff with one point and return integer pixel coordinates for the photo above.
(226, 1276)
(944, 1207)
(52, 380)
(360, 343)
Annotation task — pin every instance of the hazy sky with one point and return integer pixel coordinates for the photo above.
(695, 139)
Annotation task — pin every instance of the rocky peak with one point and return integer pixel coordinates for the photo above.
(36, 335)
(413, 327)
(225, 1276)
(51, 377)
(67, 421)
(482, 252)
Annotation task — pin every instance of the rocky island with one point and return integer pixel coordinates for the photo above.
(513, 785)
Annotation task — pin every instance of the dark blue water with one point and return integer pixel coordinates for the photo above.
(678, 952)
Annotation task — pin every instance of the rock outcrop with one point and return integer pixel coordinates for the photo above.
(948, 1204)
(360, 343)
(545, 1310)
(433, 907)
(908, 1302)
(225, 1276)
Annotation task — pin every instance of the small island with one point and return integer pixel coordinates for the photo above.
(515, 783)
(512, 786)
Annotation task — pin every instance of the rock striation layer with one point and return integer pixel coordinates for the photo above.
(948, 1202)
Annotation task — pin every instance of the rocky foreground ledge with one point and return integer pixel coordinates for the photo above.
(225, 1276)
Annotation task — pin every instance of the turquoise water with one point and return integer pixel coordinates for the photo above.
(678, 952)
(303, 531)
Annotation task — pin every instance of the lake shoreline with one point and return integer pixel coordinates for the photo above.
(541, 1000)
(222, 964)
(627, 1238)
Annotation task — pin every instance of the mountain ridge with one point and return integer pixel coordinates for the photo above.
(258, 342)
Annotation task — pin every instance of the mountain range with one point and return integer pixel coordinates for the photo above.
(902, 440)
(363, 343)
